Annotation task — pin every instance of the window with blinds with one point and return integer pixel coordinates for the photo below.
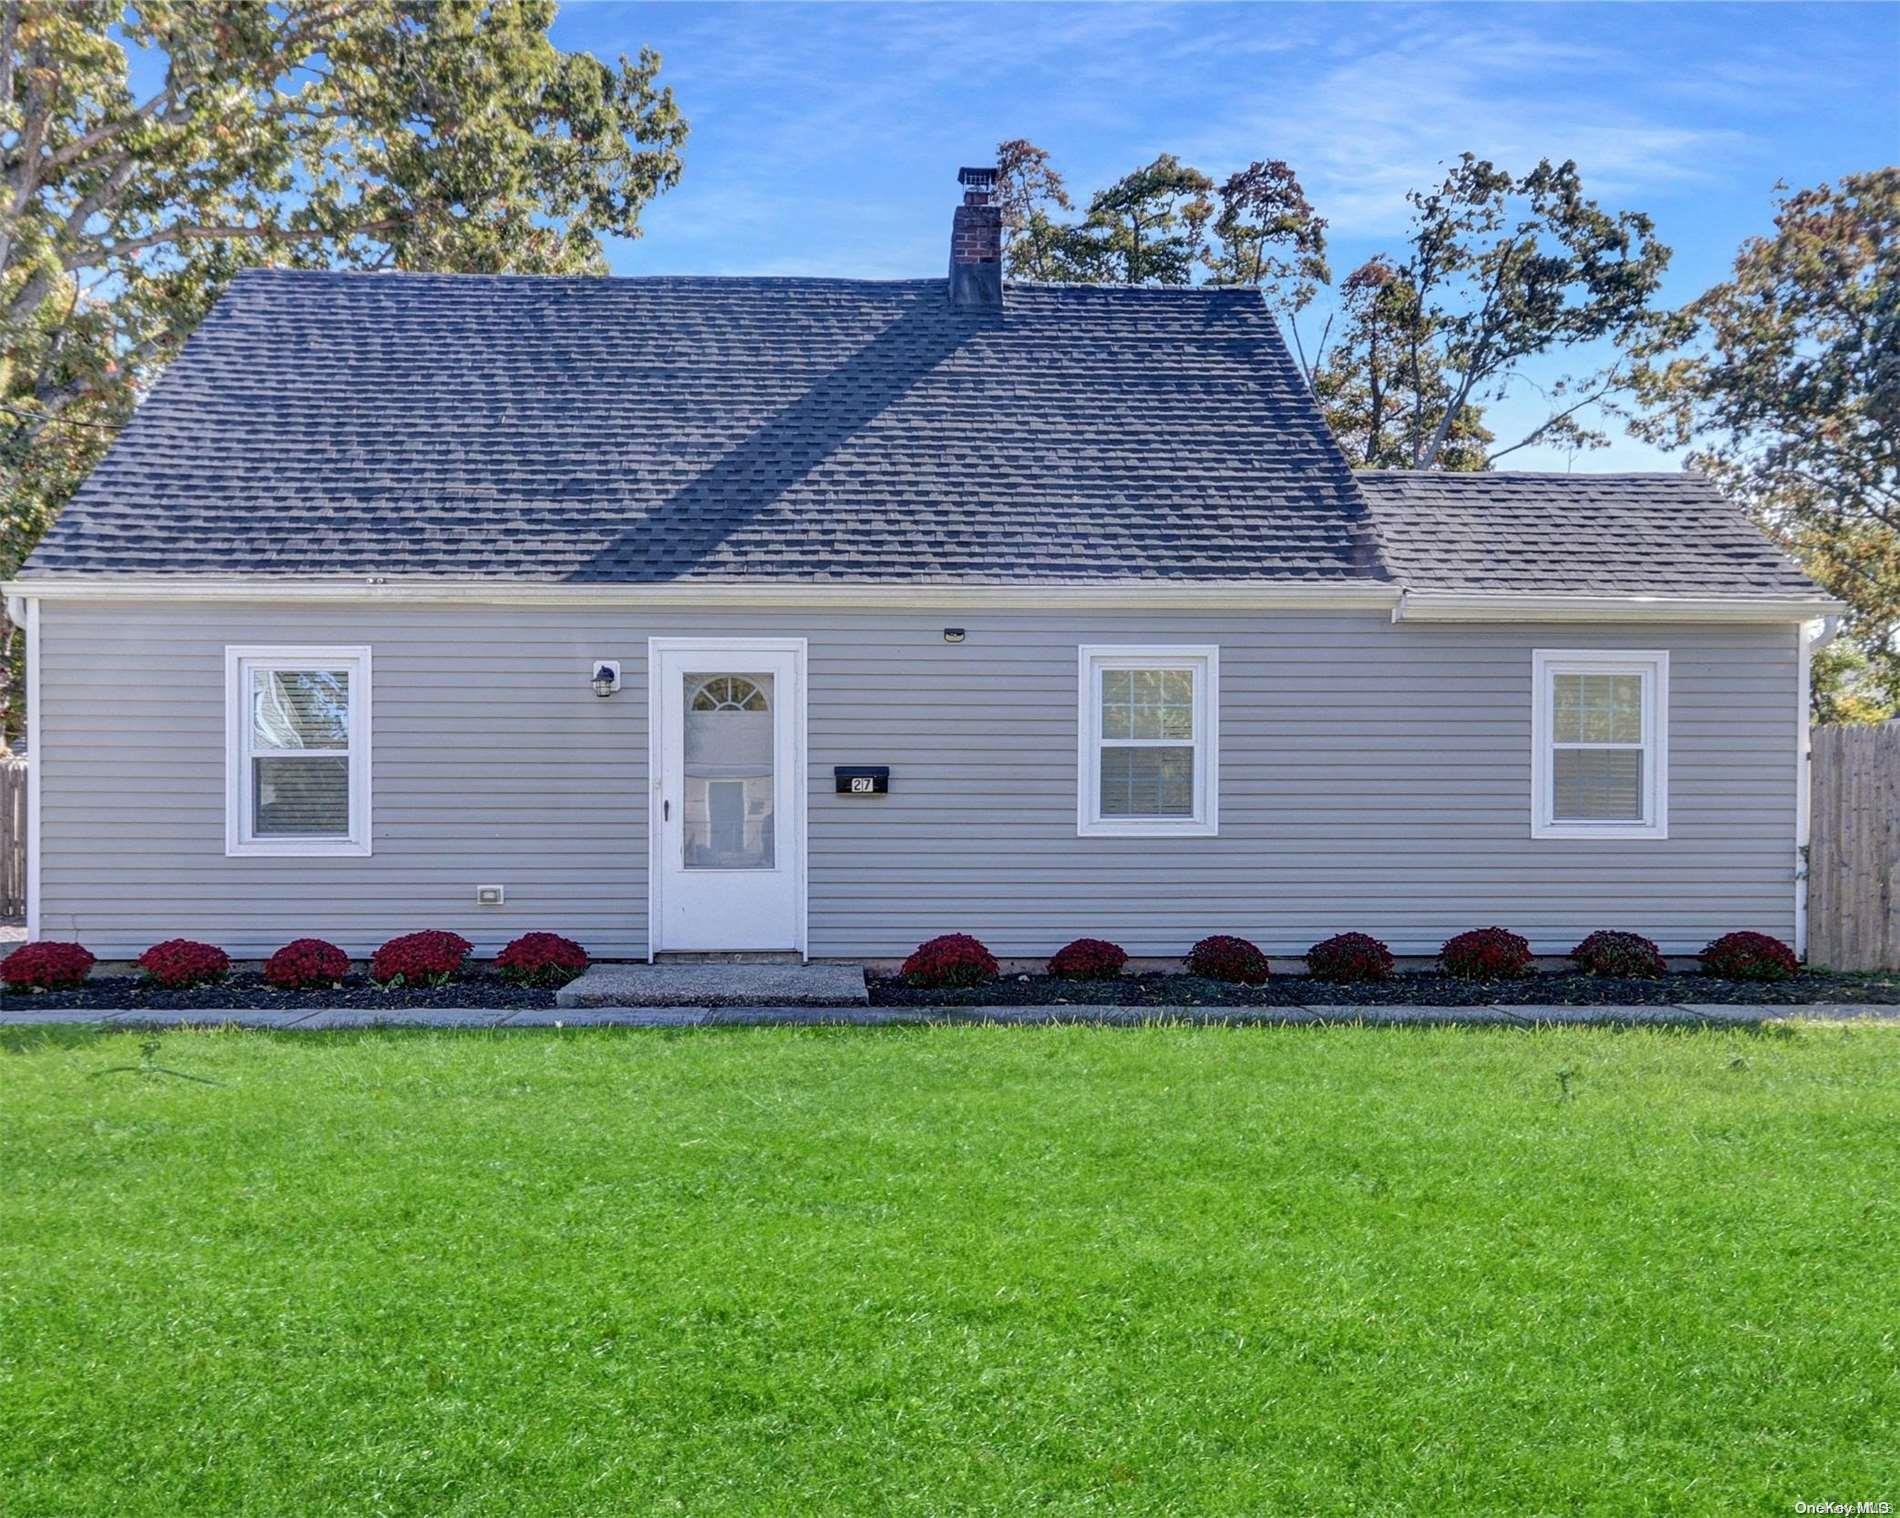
(1598, 744)
(1148, 722)
(298, 751)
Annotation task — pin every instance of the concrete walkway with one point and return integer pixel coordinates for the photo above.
(1684, 1014)
(716, 985)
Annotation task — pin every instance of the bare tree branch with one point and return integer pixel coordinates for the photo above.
(1543, 429)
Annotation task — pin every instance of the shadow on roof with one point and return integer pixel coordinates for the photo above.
(750, 478)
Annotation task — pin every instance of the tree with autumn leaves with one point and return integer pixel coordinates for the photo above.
(1497, 269)
(148, 152)
(1780, 382)
(1783, 382)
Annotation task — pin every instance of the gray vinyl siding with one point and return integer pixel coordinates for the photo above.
(1373, 776)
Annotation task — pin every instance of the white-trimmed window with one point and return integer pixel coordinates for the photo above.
(1599, 744)
(296, 726)
(1149, 757)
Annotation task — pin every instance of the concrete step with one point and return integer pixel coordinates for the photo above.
(716, 985)
(731, 957)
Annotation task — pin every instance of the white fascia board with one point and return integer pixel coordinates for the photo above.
(1414, 605)
(1051, 596)
(1512, 606)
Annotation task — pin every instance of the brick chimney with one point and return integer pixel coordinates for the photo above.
(976, 244)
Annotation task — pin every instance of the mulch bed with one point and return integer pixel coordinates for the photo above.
(250, 991)
(358, 993)
(1423, 989)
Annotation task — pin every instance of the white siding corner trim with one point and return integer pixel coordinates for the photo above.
(240, 661)
(1652, 668)
(1201, 661)
(35, 767)
(1815, 636)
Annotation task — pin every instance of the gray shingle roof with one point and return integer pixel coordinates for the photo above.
(650, 431)
(653, 430)
(1585, 534)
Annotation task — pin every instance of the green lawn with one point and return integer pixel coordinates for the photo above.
(953, 1270)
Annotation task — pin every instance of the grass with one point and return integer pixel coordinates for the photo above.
(949, 1270)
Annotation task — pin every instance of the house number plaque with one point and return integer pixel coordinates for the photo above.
(862, 779)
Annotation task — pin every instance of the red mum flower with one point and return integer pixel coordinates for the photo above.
(1088, 959)
(180, 962)
(542, 959)
(1624, 954)
(955, 959)
(1349, 957)
(431, 958)
(306, 962)
(46, 967)
(1224, 957)
(1486, 954)
(1749, 956)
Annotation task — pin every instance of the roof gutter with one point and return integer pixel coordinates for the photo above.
(1257, 595)
(1203, 595)
(1523, 606)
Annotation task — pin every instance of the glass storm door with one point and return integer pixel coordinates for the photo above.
(727, 809)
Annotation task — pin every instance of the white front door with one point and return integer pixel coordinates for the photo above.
(728, 822)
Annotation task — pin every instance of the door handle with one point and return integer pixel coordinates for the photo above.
(666, 810)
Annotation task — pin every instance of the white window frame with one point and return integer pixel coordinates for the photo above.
(1653, 666)
(1202, 660)
(239, 663)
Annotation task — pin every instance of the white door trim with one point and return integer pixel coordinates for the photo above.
(725, 647)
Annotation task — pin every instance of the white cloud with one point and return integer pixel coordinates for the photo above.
(1376, 119)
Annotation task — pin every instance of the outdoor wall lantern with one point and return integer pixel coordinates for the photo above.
(606, 676)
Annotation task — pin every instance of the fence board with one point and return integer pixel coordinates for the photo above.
(12, 837)
(1854, 848)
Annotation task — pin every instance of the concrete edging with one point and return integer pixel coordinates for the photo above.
(1678, 1014)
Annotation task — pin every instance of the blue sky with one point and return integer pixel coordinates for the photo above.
(826, 138)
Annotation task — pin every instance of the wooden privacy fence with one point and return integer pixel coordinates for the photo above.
(12, 837)
(1854, 849)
